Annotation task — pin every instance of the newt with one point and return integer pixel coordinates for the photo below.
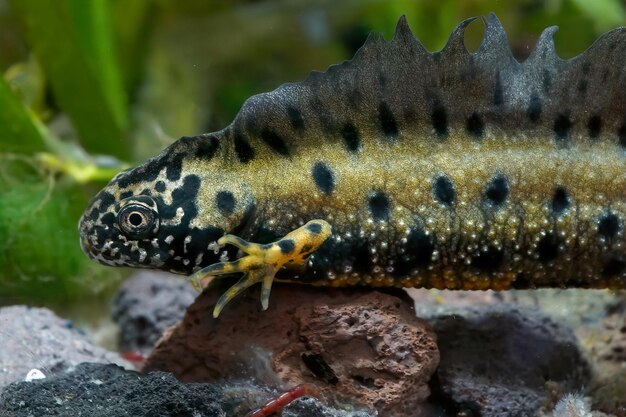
(401, 167)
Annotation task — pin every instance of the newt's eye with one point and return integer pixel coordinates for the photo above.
(138, 220)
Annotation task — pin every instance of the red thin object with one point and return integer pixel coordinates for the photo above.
(276, 404)
(133, 356)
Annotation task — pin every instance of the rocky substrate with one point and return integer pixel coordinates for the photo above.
(35, 338)
(469, 354)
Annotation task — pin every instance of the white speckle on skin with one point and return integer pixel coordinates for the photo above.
(214, 246)
(169, 239)
(224, 256)
(186, 241)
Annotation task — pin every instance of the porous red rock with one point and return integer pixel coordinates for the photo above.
(366, 347)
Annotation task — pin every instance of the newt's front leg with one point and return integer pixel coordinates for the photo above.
(263, 261)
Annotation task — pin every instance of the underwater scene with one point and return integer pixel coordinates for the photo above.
(403, 208)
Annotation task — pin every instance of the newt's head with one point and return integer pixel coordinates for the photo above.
(167, 213)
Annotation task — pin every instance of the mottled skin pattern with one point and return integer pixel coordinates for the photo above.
(444, 170)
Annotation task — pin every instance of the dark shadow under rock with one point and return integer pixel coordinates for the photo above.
(365, 347)
(503, 361)
(147, 304)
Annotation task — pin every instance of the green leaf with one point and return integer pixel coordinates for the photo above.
(40, 258)
(606, 14)
(72, 40)
(19, 132)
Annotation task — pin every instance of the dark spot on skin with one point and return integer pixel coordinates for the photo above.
(489, 261)
(336, 256)
(197, 245)
(225, 201)
(305, 249)
(418, 253)
(497, 190)
(586, 67)
(444, 192)
(326, 118)
(244, 151)
(379, 206)
(323, 177)
(548, 248)
(295, 118)
(126, 194)
(354, 98)
(174, 167)
(387, 121)
(547, 81)
(183, 197)
(108, 218)
(93, 214)
(314, 228)
(622, 135)
(582, 87)
(382, 79)
(159, 186)
(440, 121)
(286, 246)
(205, 146)
(534, 108)
(594, 126)
(351, 137)
(560, 201)
(251, 123)
(274, 141)
(106, 200)
(265, 235)
(609, 226)
(145, 173)
(498, 93)
(475, 126)
(562, 126)
(614, 267)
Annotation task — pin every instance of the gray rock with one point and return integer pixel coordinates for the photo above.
(500, 361)
(97, 390)
(146, 305)
(36, 338)
(310, 407)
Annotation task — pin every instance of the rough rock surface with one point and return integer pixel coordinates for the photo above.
(503, 361)
(310, 407)
(147, 304)
(36, 338)
(606, 346)
(107, 390)
(366, 347)
(98, 390)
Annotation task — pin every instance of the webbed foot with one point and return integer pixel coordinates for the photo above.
(262, 262)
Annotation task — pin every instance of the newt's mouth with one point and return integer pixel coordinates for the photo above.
(86, 246)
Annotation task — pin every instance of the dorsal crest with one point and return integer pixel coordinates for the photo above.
(397, 90)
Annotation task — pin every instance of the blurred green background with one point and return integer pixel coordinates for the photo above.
(92, 86)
